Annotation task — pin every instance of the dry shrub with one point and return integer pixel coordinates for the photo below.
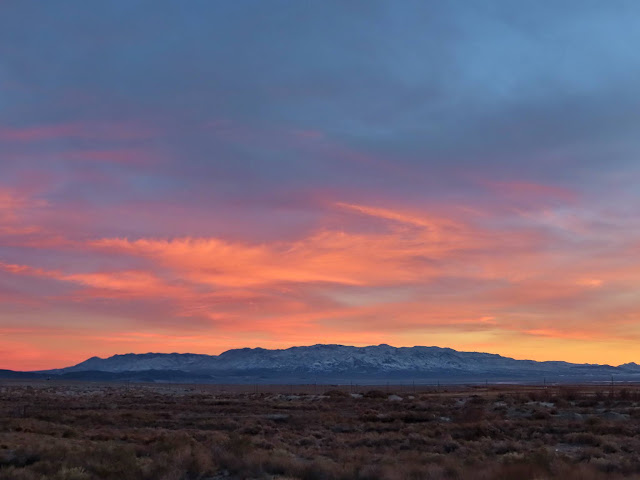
(175, 433)
(336, 394)
(582, 438)
(73, 473)
(379, 394)
(471, 414)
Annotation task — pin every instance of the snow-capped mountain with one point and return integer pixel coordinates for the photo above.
(338, 361)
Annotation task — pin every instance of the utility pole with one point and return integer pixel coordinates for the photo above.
(611, 394)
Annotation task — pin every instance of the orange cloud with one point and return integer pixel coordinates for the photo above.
(555, 333)
(413, 278)
(434, 224)
(327, 256)
(105, 284)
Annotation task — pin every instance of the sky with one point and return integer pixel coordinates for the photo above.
(199, 176)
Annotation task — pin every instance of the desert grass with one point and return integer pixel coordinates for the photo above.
(92, 431)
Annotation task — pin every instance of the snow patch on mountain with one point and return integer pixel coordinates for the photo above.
(338, 359)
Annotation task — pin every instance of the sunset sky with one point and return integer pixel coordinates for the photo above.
(205, 175)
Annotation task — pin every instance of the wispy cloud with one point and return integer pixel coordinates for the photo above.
(82, 131)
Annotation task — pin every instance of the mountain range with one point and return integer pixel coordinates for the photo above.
(331, 364)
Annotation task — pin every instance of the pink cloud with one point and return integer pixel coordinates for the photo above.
(90, 131)
(13, 207)
(529, 192)
(455, 276)
(127, 156)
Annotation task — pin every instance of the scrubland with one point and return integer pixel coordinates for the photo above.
(93, 431)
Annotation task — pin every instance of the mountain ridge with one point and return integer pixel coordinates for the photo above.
(324, 358)
(334, 363)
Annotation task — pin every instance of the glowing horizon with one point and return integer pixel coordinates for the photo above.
(252, 181)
